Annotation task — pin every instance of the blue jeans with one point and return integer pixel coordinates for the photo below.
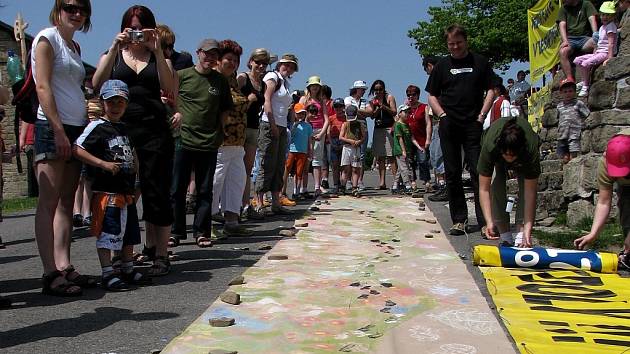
(435, 151)
(423, 164)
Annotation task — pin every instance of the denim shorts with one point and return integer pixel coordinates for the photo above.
(45, 148)
(578, 42)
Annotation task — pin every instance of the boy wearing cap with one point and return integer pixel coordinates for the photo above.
(613, 168)
(571, 113)
(356, 99)
(352, 134)
(335, 147)
(299, 151)
(403, 150)
(105, 147)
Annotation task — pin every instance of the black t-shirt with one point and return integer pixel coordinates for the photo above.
(181, 60)
(460, 85)
(253, 112)
(109, 142)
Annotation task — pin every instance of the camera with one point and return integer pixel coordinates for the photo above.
(376, 102)
(136, 36)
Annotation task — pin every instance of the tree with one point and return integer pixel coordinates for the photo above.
(496, 29)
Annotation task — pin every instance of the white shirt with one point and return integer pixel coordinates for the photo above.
(280, 100)
(67, 77)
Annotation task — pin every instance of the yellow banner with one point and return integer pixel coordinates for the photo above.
(561, 311)
(544, 37)
(536, 106)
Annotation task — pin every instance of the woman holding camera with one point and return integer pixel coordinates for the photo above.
(136, 57)
(382, 108)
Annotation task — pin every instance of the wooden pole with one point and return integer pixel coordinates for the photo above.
(18, 31)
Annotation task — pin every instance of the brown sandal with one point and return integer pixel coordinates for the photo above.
(66, 289)
(81, 280)
(161, 266)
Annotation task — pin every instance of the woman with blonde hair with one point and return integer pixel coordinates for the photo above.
(252, 86)
(314, 98)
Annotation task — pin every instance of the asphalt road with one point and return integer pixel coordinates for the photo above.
(147, 318)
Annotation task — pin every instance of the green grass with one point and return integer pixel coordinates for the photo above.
(610, 239)
(13, 205)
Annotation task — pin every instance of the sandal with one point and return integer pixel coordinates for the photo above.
(136, 278)
(65, 289)
(147, 255)
(173, 241)
(81, 280)
(203, 242)
(113, 282)
(161, 266)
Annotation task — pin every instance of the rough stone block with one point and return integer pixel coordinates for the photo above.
(585, 142)
(579, 210)
(550, 118)
(554, 180)
(623, 94)
(549, 203)
(624, 48)
(580, 177)
(602, 95)
(601, 135)
(617, 67)
(607, 117)
(551, 166)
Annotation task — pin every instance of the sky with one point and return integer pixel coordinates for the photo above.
(340, 41)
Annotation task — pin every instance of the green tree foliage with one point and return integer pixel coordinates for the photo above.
(496, 29)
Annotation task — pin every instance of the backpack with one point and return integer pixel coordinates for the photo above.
(24, 94)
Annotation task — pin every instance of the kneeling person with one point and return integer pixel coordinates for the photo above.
(509, 144)
(105, 147)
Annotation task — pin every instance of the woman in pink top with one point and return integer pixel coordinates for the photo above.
(314, 97)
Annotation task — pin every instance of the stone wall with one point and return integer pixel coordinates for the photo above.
(573, 187)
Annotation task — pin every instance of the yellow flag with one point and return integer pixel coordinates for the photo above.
(544, 37)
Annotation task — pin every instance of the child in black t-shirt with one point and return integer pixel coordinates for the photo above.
(104, 146)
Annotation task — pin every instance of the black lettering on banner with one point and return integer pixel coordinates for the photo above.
(615, 313)
(565, 291)
(547, 299)
(547, 41)
(621, 331)
(542, 16)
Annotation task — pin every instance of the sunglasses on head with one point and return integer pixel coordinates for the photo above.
(73, 9)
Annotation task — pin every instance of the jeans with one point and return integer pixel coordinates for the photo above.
(204, 164)
(423, 164)
(435, 151)
(455, 135)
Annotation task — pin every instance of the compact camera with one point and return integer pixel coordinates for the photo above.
(136, 36)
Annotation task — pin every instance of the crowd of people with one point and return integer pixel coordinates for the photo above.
(163, 128)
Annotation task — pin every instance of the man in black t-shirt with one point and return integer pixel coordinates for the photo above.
(456, 90)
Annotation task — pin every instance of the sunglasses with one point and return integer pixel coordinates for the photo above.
(411, 94)
(313, 110)
(73, 9)
(379, 89)
(261, 62)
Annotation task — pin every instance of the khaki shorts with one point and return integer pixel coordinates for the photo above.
(251, 137)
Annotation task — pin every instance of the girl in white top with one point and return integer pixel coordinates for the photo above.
(58, 72)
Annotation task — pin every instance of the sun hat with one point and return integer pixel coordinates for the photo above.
(566, 82)
(339, 102)
(351, 113)
(618, 156)
(289, 58)
(403, 107)
(314, 80)
(208, 44)
(608, 7)
(114, 88)
(359, 84)
(299, 108)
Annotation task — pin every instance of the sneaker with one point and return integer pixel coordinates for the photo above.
(356, 193)
(579, 86)
(285, 201)
(218, 217)
(280, 210)
(361, 187)
(583, 91)
(236, 231)
(77, 220)
(395, 191)
(408, 191)
(325, 184)
(318, 192)
(87, 221)
(342, 190)
(457, 229)
(253, 214)
(217, 235)
(439, 196)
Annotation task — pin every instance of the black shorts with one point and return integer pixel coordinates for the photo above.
(45, 148)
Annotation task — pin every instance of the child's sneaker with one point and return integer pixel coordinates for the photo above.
(583, 91)
(77, 220)
(325, 184)
(356, 193)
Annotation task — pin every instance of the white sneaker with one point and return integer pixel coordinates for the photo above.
(579, 86)
(583, 91)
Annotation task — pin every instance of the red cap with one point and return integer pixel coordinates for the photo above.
(567, 81)
(618, 156)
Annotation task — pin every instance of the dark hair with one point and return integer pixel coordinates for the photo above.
(502, 91)
(455, 30)
(521, 72)
(227, 46)
(413, 88)
(327, 91)
(510, 80)
(429, 59)
(377, 82)
(55, 13)
(511, 138)
(144, 15)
